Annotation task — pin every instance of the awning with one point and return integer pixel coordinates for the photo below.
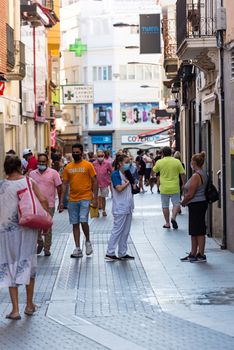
(156, 131)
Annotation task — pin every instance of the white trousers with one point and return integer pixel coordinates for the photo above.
(119, 234)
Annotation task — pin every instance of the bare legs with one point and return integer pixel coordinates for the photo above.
(198, 245)
(166, 214)
(76, 232)
(13, 291)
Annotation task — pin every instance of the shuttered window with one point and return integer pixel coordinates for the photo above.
(232, 64)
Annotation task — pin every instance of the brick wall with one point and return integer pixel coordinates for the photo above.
(3, 41)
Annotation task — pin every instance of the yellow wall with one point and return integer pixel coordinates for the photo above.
(54, 33)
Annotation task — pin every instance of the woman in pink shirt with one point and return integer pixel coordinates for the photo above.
(103, 169)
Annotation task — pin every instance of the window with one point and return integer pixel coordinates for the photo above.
(102, 73)
(123, 72)
(131, 71)
(94, 73)
(232, 64)
(139, 72)
(85, 75)
(105, 73)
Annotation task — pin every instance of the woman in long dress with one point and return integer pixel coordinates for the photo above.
(17, 244)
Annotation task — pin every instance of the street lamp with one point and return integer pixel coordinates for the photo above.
(152, 64)
(121, 24)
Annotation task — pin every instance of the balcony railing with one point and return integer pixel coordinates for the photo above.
(10, 47)
(19, 70)
(194, 19)
(48, 4)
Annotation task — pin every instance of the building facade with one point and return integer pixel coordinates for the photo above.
(228, 65)
(127, 85)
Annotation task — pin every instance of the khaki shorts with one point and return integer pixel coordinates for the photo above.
(103, 192)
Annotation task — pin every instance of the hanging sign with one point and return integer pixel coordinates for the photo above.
(2, 87)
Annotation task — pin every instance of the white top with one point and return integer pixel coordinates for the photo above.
(122, 202)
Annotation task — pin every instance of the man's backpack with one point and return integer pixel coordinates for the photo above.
(211, 192)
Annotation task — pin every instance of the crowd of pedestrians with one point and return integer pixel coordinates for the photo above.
(77, 181)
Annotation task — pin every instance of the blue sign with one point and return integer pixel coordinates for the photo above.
(101, 139)
(150, 33)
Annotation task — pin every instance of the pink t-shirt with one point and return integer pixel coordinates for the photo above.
(103, 171)
(48, 181)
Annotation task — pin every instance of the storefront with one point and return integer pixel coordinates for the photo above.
(103, 142)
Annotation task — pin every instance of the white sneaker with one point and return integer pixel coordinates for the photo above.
(77, 253)
(89, 248)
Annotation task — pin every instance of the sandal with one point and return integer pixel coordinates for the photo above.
(30, 312)
(165, 226)
(14, 317)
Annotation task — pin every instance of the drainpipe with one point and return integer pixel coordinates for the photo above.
(220, 41)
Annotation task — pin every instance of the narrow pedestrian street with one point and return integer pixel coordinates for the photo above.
(153, 302)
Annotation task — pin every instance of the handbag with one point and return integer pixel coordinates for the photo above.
(211, 192)
(31, 214)
(135, 190)
(94, 212)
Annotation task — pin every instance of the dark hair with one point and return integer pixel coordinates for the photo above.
(78, 145)
(43, 155)
(139, 152)
(11, 164)
(119, 159)
(11, 152)
(199, 158)
(166, 151)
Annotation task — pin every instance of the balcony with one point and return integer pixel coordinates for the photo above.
(19, 70)
(196, 31)
(39, 15)
(10, 48)
(49, 4)
(170, 55)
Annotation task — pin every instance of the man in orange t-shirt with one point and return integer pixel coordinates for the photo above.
(81, 177)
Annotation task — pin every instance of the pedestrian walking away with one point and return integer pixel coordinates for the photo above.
(18, 258)
(194, 198)
(81, 176)
(49, 183)
(30, 161)
(170, 169)
(103, 170)
(122, 208)
(141, 169)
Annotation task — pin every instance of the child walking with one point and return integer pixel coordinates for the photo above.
(122, 208)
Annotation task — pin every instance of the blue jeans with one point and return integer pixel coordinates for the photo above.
(78, 211)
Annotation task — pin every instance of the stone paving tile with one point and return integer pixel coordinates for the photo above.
(161, 331)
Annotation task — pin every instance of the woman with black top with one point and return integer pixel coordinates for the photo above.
(194, 198)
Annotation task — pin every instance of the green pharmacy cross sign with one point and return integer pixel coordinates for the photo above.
(69, 95)
(78, 48)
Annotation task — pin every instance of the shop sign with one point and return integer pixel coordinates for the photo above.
(2, 87)
(99, 139)
(136, 140)
(77, 94)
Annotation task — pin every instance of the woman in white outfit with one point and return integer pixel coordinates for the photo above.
(18, 258)
(122, 208)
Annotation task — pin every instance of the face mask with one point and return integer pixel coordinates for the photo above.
(192, 167)
(126, 167)
(100, 159)
(41, 167)
(76, 156)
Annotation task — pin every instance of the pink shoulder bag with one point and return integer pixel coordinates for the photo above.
(31, 214)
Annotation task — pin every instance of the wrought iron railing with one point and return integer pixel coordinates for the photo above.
(48, 4)
(10, 47)
(194, 19)
(169, 37)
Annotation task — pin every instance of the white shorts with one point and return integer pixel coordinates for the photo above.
(103, 192)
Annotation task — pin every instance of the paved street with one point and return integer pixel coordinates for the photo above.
(154, 302)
